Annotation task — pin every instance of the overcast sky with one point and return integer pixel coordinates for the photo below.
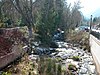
(89, 6)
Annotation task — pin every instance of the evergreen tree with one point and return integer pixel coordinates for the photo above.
(46, 21)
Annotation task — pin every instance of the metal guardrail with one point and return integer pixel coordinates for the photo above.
(95, 33)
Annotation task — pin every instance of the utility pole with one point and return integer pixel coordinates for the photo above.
(90, 26)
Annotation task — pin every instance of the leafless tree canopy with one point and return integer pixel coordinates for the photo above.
(28, 11)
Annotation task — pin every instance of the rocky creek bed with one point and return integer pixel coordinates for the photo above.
(72, 60)
(70, 56)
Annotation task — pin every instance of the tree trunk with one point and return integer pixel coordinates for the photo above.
(30, 31)
(30, 37)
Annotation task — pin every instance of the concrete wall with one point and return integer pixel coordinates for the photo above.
(95, 50)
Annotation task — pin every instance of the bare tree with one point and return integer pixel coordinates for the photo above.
(76, 16)
(2, 2)
(25, 9)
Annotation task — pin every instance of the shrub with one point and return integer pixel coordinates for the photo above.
(58, 59)
(72, 67)
(76, 58)
(59, 71)
(49, 66)
(6, 73)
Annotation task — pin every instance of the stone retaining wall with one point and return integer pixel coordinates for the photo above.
(10, 57)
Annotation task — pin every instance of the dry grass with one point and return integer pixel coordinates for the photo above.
(23, 67)
(81, 38)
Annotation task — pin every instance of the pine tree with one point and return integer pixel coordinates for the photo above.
(46, 21)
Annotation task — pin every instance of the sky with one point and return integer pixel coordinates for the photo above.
(90, 7)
